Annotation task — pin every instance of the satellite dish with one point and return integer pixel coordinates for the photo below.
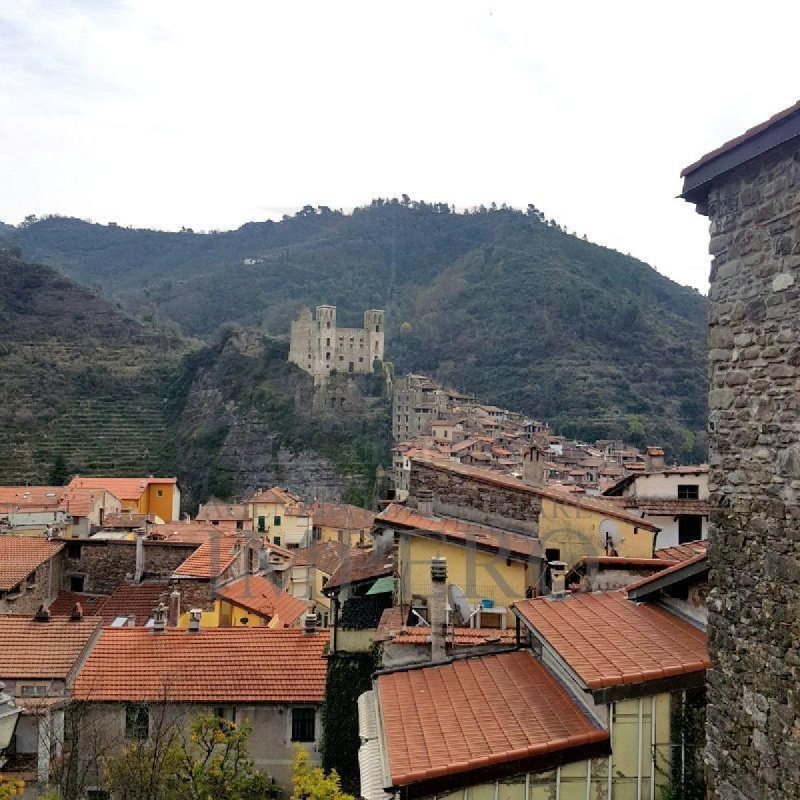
(459, 604)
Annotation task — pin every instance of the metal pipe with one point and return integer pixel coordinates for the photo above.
(652, 747)
(639, 756)
(611, 754)
(588, 779)
(558, 783)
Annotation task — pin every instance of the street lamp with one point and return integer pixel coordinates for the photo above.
(9, 714)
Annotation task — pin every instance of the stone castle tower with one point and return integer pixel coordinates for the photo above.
(320, 347)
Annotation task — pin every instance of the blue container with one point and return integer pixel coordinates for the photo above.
(486, 603)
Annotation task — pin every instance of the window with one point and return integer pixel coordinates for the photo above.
(690, 528)
(73, 550)
(137, 722)
(327, 356)
(159, 492)
(276, 521)
(552, 554)
(377, 330)
(239, 524)
(226, 713)
(292, 546)
(351, 367)
(303, 724)
(276, 540)
(262, 524)
(76, 583)
(688, 491)
(32, 690)
(327, 343)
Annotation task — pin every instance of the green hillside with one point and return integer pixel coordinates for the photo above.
(497, 301)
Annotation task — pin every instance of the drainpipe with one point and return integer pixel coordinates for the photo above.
(438, 609)
(139, 571)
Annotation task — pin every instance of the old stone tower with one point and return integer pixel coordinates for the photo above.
(750, 190)
(321, 348)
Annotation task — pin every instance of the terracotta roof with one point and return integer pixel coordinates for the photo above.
(222, 511)
(468, 715)
(31, 649)
(658, 507)
(608, 640)
(361, 567)
(274, 495)
(214, 556)
(65, 603)
(673, 574)
(682, 552)
(741, 139)
(197, 532)
(37, 496)
(462, 532)
(341, 515)
(81, 501)
(623, 561)
(136, 600)
(225, 665)
(123, 488)
(126, 519)
(594, 504)
(325, 556)
(21, 555)
(261, 596)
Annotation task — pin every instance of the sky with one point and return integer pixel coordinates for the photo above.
(211, 114)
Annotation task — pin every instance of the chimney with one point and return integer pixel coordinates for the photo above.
(558, 579)
(654, 459)
(533, 467)
(41, 615)
(139, 570)
(174, 608)
(310, 622)
(195, 615)
(438, 609)
(77, 613)
(425, 502)
(160, 619)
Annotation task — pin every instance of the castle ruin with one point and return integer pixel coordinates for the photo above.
(320, 348)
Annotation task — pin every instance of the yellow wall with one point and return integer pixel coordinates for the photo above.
(478, 573)
(635, 774)
(579, 532)
(210, 618)
(292, 530)
(162, 506)
(352, 536)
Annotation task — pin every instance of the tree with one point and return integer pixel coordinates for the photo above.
(59, 472)
(311, 783)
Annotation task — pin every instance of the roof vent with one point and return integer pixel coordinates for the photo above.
(160, 619)
(41, 615)
(77, 613)
(195, 615)
(558, 579)
(438, 568)
(309, 622)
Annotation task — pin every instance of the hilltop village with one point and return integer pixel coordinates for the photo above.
(554, 586)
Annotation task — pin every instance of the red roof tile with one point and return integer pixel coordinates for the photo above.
(31, 496)
(123, 488)
(136, 600)
(260, 595)
(608, 640)
(325, 556)
(682, 552)
(463, 532)
(214, 556)
(360, 567)
(126, 519)
(341, 515)
(474, 713)
(31, 649)
(21, 555)
(65, 603)
(275, 495)
(666, 573)
(225, 665)
(222, 511)
(190, 532)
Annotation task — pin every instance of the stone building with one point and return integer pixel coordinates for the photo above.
(320, 347)
(750, 190)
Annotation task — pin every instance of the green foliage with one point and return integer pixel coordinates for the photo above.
(349, 675)
(687, 733)
(59, 472)
(311, 783)
(496, 301)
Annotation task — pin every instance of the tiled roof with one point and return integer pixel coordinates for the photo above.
(222, 511)
(463, 532)
(80, 501)
(274, 495)
(36, 496)
(682, 552)
(197, 532)
(226, 665)
(137, 600)
(325, 556)
(594, 504)
(341, 515)
(123, 488)
(126, 519)
(361, 567)
(673, 574)
(392, 628)
(608, 640)
(21, 555)
(660, 507)
(471, 714)
(260, 595)
(65, 603)
(31, 649)
(214, 556)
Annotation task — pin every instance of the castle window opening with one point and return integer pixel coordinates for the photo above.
(328, 342)
(688, 491)
(352, 367)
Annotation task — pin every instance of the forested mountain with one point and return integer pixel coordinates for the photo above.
(498, 302)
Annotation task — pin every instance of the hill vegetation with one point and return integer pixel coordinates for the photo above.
(499, 302)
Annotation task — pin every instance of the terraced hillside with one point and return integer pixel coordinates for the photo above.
(79, 379)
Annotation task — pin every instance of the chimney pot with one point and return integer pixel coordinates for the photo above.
(174, 608)
(310, 622)
(558, 579)
(195, 615)
(41, 615)
(160, 619)
(425, 502)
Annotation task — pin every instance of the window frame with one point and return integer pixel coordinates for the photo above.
(300, 726)
(688, 491)
(137, 715)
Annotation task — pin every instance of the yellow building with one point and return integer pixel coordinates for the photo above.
(254, 600)
(494, 568)
(280, 514)
(159, 496)
(341, 522)
(312, 567)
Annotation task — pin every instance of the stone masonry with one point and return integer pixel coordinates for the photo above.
(753, 715)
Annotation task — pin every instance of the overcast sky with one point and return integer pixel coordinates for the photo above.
(211, 114)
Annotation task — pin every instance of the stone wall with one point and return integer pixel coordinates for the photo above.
(490, 503)
(754, 339)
